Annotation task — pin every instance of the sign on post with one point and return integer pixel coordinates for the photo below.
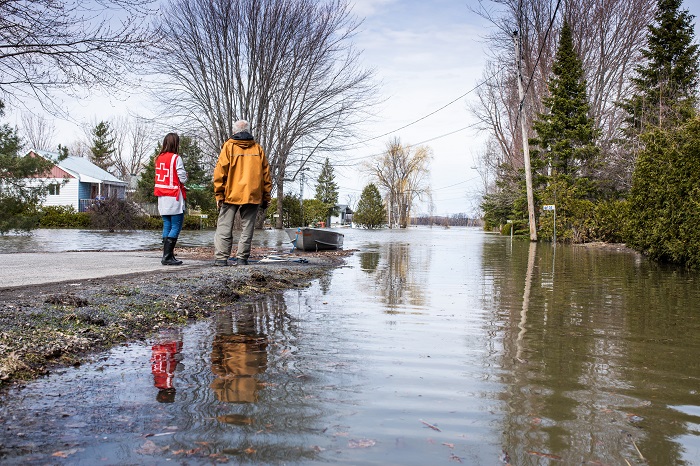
(549, 207)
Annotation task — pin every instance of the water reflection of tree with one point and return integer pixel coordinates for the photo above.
(566, 375)
(369, 261)
(398, 277)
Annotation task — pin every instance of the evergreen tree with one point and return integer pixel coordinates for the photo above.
(566, 133)
(327, 190)
(200, 189)
(663, 201)
(20, 191)
(102, 149)
(666, 84)
(370, 212)
(565, 144)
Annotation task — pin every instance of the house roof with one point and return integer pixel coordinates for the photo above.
(82, 168)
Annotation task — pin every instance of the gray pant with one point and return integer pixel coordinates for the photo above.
(223, 238)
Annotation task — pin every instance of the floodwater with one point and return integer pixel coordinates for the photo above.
(58, 240)
(432, 346)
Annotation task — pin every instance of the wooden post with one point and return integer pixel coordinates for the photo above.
(526, 146)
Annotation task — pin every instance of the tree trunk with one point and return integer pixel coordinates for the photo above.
(280, 197)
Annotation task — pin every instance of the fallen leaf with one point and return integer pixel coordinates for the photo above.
(66, 453)
(361, 443)
(250, 450)
(150, 448)
(454, 457)
(451, 445)
(544, 455)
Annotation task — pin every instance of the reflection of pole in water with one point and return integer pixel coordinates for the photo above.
(526, 299)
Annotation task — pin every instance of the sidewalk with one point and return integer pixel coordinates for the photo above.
(24, 269)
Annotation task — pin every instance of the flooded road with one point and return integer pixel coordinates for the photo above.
(432, 346)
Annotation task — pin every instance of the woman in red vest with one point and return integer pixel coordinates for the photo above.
(170, 189)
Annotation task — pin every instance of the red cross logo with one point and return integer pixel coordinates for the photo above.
(162, 172)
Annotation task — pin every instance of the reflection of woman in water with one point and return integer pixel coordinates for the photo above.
(165, 355)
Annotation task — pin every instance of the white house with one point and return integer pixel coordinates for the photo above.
(344, 216)
(77, 182)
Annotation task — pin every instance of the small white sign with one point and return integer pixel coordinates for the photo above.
(549, 207)
(204, 216)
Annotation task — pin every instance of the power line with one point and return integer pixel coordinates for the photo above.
(363, 157)
(431, 113)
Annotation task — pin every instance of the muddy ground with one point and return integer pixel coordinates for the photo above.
(44, 327)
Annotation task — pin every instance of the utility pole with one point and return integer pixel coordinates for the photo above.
(301, 196)
(526, 146)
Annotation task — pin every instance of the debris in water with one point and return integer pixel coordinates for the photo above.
(429, 425)
(544, 455)
(361, 443)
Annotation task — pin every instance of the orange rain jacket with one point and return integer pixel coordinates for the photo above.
(242, 174)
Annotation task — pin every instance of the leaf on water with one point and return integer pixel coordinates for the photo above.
(250, 450)
(361, 443)
(544, 455)
(454, 457)
(150, 448)
(190, 452)
(66, 453)
(451, 445)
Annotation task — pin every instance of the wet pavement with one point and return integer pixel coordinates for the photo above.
(25, 269)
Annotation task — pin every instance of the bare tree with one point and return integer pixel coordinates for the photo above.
(402, 172)
(39, 131)
(287, 66)
(48, 45)
(609, 35)
(134, 144)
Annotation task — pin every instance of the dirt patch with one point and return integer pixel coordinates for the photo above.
(48, 326)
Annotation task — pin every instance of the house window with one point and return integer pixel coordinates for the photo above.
(54, 189)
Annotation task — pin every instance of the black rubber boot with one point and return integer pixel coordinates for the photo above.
(174, 256)
(168, 256)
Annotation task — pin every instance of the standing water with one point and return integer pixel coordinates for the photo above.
(432, 346)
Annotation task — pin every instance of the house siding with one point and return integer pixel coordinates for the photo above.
(67, 194)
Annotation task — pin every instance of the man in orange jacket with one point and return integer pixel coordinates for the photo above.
(241, 184)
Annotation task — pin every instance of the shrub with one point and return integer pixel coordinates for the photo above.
(63, 217)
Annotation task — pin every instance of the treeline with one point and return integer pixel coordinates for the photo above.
(454, 220)
(611, 115)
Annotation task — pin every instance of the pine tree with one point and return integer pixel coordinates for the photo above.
(566, 144)
(327, 190)
(19, 197)
(666, 84)
(102, 148)
(566, 133)
(370, 212)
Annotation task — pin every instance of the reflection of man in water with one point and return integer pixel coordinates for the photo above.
(237, 357)
(165, 354)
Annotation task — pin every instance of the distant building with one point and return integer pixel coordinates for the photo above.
(344, 216)
(77, 182)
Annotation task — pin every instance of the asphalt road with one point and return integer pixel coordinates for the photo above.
(24, 269)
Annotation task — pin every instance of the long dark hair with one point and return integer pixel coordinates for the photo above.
(171, 143)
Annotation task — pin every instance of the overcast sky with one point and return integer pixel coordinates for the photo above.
(427, 55)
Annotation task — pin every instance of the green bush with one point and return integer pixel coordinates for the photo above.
(610, 221)
(664, 203)
(63, 217)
